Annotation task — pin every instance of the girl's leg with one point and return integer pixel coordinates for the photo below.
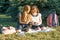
(25, 27)
(42, 27)
(34, 26)
(19, 27)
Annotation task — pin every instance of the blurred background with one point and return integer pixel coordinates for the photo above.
(9, 10)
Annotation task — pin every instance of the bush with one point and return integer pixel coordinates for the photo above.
(13, 12)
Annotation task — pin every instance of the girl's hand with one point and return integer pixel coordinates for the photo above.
(31, 23)
(35, 23)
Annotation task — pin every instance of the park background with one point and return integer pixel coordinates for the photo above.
(9, 10)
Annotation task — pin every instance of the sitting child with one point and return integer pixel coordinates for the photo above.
(36, 19)
(23, 23)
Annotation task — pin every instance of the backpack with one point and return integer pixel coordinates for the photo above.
(52, 19)
(8, 30)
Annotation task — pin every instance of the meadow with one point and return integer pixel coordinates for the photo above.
(6, 21)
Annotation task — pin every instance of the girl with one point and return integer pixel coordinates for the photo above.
(25, 14)
(36, 18)
(23, 19)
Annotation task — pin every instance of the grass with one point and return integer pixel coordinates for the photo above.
(6, 21)
(54, 35)
(4, 16)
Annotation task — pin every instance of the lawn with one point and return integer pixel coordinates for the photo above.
(6, 21)
(54, 35)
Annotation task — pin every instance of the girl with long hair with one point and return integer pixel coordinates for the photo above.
(23, 19)
(36, 18)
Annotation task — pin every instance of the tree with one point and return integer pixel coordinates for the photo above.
(45, 6)
(4, 4)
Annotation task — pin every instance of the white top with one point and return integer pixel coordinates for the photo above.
(37, 18)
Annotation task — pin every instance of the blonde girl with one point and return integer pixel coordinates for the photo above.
(36, 18)
(23, 19)
(25, 14)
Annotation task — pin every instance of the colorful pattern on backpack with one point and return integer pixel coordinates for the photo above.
(52, 20)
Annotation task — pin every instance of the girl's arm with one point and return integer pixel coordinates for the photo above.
(19, 17)
(40, 19)
(28, 19)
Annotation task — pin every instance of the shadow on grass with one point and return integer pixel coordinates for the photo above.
(6, 22)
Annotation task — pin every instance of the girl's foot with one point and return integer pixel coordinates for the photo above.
(38, 28)
(26, 30)
(43, 28)
(18, 31)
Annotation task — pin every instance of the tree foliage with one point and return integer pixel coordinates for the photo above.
(11, 7)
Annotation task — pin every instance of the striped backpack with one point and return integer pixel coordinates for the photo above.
(52, 19)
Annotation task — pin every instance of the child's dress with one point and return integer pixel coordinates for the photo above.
(37, 19)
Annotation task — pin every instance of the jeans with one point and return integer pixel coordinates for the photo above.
(22, 26)
(35, 26)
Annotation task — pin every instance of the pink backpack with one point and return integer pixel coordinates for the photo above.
(52, 20)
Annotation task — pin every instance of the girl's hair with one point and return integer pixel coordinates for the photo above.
(25, 11)
(34, 6)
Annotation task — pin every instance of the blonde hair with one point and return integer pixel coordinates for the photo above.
(34, 6)
(26, 11)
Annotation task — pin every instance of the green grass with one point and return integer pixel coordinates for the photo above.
(6, 21)
(4, 16)
(54, 35)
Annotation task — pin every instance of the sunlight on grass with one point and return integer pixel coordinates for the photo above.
(53, 35)
(4, 16)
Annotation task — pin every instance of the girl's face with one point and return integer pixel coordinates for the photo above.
(34, 10)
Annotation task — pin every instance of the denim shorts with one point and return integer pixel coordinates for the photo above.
(35, 26)
(22, 26)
